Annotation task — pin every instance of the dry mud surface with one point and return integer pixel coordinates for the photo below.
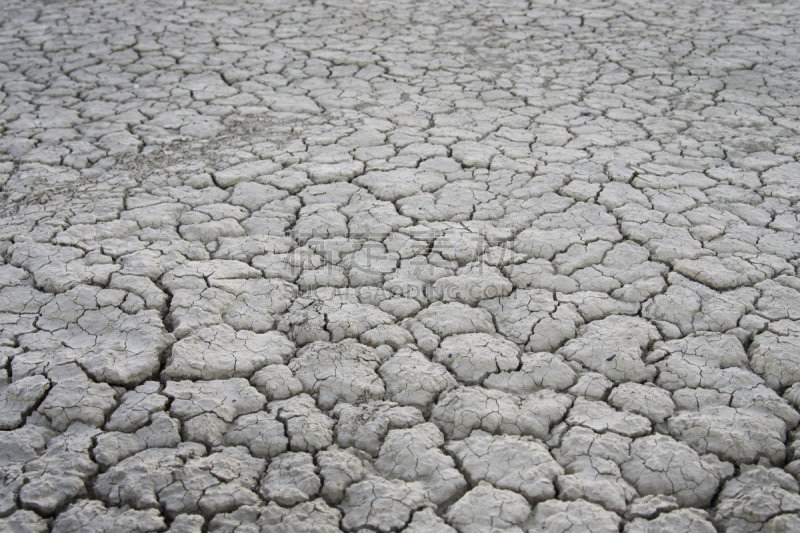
(322, 266)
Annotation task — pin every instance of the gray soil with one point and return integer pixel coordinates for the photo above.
(381, 266)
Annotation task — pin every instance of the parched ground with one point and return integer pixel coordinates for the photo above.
(379, 266)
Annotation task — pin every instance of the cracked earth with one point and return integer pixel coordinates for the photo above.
(371, 266)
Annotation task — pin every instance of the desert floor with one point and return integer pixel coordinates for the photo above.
(380, 266)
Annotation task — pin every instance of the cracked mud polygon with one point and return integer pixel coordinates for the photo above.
(372, 266)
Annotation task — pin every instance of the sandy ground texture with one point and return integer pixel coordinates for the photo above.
(380, 266)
